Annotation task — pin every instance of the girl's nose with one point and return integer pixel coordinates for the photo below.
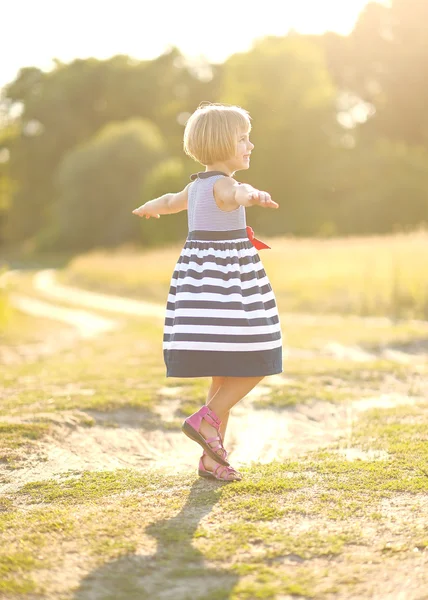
(251, 145)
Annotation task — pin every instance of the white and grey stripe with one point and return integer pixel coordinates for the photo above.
(224, 304)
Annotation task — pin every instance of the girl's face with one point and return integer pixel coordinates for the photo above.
(243, 151)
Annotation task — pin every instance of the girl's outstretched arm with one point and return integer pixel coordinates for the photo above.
(167, 204)
(232, 194)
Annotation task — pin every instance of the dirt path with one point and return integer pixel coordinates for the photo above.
(120, 439)
(45, 283)
(89, 324)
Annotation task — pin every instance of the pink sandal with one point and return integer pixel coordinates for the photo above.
(220, 472)
(191, 428)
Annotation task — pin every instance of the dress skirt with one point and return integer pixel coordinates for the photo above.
(221, 314)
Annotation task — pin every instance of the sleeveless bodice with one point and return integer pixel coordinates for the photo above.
(202, 210)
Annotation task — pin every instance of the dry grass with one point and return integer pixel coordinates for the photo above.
(362, 275)
(5, 308)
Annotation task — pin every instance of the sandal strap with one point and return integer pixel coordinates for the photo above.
(211, 417)
(213, 439)
(218, 446)
(229, 470)
(223, 449)
(222, 468)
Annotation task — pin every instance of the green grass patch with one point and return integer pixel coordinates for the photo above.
(15, 436)
(301, 392)
(265, 583)
(272, 539)
(239, 536)
(119, 370)
(329, 380)
(403, 433)
(88, 487)
(14, 578)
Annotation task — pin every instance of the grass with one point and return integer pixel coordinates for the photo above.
(379, 275)
(288, 527)
(107, 375)
(372, 335)
(5, 311)
(20, 332)
(317, 525)
(5, 308)
(19, 436)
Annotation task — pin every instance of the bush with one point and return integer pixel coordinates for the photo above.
(168, 176)
(100, 183)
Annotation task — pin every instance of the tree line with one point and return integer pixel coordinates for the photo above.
(340, 129)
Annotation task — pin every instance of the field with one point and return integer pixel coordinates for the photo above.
(384, 276)
(99, 494)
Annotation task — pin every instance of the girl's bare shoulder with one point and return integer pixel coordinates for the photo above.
(224, 193)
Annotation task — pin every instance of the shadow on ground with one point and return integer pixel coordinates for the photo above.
(176, 570)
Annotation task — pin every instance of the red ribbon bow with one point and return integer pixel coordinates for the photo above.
(256, 243)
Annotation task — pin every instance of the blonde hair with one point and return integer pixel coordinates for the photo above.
(211, 132)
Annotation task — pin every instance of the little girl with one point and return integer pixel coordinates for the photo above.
(221, 316)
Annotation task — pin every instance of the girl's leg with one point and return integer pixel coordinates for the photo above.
(214, 387)
(216, 383)
(207, 461)
(230, 392)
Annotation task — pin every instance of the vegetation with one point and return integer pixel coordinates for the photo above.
(339, 126)
(97, 498)
(318, 523)
(383, 276)
(5, 308)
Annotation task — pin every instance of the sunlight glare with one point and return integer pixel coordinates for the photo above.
(81, 29)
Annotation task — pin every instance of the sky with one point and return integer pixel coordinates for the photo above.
(36, 31)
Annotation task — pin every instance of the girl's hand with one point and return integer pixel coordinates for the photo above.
(146, 210)
(262, 199)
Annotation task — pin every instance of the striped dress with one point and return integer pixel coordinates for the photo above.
(221, 314)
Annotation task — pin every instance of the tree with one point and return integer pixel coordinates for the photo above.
(285, 85)
(65, 107)
(101, 181)
(380, 186)
(384, 62)
(7, 135)
(171, 175)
